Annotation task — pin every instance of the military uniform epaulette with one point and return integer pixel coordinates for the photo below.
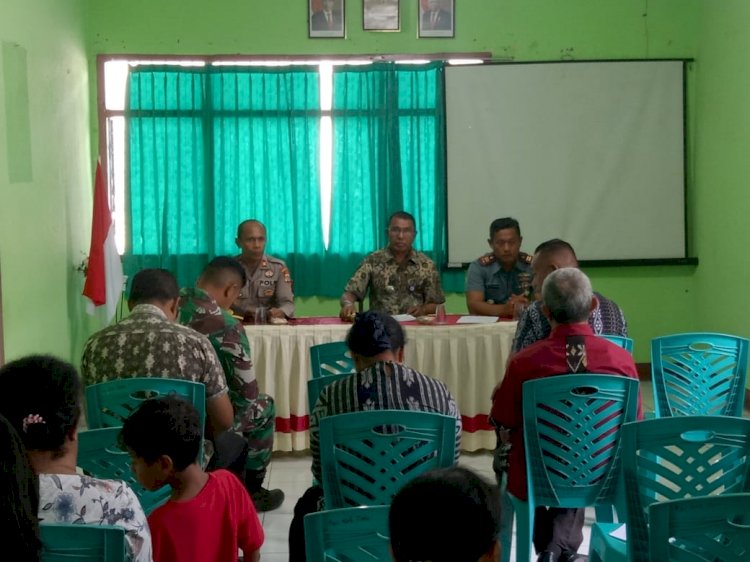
(523, 257)
(487, 259)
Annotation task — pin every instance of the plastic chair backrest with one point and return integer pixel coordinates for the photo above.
(572, 437)
(315, 386)
(69, 542)
(697, 529)
(622, 341)
(675, 458)
(699, 374)
(367, 456)
(100, 456)
(348, 534)
(110, 403)
(332, 358)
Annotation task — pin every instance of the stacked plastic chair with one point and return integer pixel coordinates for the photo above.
(699, 374)
(668, 459)
(68, 542)
(332, 358)
(367, 456)
(572, 440)
(350, 534)
(713, 528)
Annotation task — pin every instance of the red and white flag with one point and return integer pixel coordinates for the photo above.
(104, 279)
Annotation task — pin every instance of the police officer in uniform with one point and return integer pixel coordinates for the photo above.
(497, 281)
(269, 283)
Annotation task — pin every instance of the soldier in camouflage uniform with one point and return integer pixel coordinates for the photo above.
(268, 281)
(205, 309)
(398, 278)
(497, 281)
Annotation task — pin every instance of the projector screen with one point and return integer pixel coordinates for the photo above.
(590, 152)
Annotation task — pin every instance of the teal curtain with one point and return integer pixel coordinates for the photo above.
(212, 146)
(389, 155)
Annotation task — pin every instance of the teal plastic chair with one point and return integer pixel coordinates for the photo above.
(110, 403)
(622, 341)
(571, 428)
(352, 534)
(100, 456)
(68, 542)
(668, 459)
(367, 456)
(712, 528)
(332, 358)
(699, 374)
(315, 386)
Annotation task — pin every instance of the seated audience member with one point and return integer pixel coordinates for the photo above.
(205, 308)
(605, 318)
(572, 347)
(150, 343)
(398, 278)
(267, 279)
(19, 494)
(376, 342)
(445, 515)
(497, 281)
(209, 515)
(41, 398)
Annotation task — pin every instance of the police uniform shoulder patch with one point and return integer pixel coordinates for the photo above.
(523, 257)
(487, 259)
(285, 273)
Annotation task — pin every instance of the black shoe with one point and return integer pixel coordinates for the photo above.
(267, 500)
(548, 556)
(573, 557)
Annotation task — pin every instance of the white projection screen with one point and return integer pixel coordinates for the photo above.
(590, 152)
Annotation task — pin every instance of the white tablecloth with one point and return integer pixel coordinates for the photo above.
(469, 358)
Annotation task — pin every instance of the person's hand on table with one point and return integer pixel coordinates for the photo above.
(417, 311)
(347, 312)
(276, 313)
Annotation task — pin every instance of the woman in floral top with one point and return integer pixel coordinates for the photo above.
(42, 399)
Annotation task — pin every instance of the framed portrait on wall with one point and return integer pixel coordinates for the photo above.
(325, 18)
(381, 15)
(437, 18)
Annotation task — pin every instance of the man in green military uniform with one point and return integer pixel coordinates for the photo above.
(398, 278)
(205, 309)
(269, 283)
(498, 281)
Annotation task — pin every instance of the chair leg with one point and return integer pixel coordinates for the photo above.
(506, 518)
(524, 528)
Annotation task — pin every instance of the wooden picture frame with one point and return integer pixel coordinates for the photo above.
(437, 18)
(326, 19)
(381, 15)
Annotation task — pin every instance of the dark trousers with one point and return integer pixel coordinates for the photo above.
(308, 503)
(558, 529)
(230, 453)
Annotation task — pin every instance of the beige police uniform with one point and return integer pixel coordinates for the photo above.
(270, 286)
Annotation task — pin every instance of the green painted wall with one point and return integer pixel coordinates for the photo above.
(45, 175)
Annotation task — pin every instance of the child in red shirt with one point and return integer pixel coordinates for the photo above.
(209, 515)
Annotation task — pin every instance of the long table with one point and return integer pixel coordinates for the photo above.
(468, 358)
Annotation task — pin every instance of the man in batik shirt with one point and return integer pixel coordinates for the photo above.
(398, 278)
(205, 308)
(149, 343)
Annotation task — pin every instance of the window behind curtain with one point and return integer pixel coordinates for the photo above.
(212, 146)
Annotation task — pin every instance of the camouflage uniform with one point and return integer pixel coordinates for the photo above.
(254, 413)
(488, 276)
(270, 285)
(395, 288)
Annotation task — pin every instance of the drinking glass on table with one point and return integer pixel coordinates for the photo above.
(440, 313)
(260, 315)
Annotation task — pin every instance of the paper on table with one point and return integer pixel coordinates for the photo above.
(620, 533)
(403, 317)
(477, 320)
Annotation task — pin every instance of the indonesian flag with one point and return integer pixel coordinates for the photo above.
(104, 280)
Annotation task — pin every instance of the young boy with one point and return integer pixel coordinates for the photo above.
(209, 515)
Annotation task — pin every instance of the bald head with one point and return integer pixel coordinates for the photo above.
(549, 256)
